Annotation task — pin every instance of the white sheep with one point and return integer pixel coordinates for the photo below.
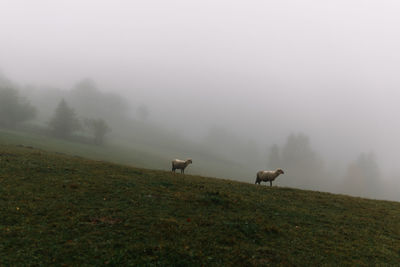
(268, 176)
(180, 164)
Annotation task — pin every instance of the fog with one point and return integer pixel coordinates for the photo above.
(230, 78)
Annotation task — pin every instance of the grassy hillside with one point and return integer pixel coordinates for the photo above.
(65, 210)
(136, 153)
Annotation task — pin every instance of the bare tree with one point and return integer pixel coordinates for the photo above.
(99, 128)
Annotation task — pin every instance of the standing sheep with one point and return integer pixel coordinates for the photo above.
(268, 176)
(180, 164)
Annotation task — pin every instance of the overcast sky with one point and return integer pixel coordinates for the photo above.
(329, 69)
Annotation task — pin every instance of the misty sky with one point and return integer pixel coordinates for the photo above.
(262, 69)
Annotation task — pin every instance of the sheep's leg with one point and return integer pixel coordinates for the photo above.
(270, 183)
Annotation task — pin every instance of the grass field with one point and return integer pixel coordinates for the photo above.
(134, 153)
(113, 153)
(69, 211)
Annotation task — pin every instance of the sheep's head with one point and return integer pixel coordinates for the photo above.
(279, 171)
(189, 161)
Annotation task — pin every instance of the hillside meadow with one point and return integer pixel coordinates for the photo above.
(59, 209)
(135, 152)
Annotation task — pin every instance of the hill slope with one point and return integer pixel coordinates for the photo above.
(135, 153)
(63, 210)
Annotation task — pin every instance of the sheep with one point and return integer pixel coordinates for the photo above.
(180, 164)
(268, 176)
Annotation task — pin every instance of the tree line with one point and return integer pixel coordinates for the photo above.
(91, 113)
(305, 168)
(64, 123)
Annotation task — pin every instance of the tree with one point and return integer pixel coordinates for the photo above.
(13, 108)
(65, 121)
(274, 158)
(99, 128)
(362, 177)
(302, 165)
(90, 102)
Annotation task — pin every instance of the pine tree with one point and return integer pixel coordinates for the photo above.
(65, 121)
(13, 108)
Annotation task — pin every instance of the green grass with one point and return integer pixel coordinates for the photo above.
(109, 152)
(135, 153)
(69, 211)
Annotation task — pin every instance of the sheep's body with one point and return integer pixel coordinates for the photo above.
(268, 176)
(180, 164)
